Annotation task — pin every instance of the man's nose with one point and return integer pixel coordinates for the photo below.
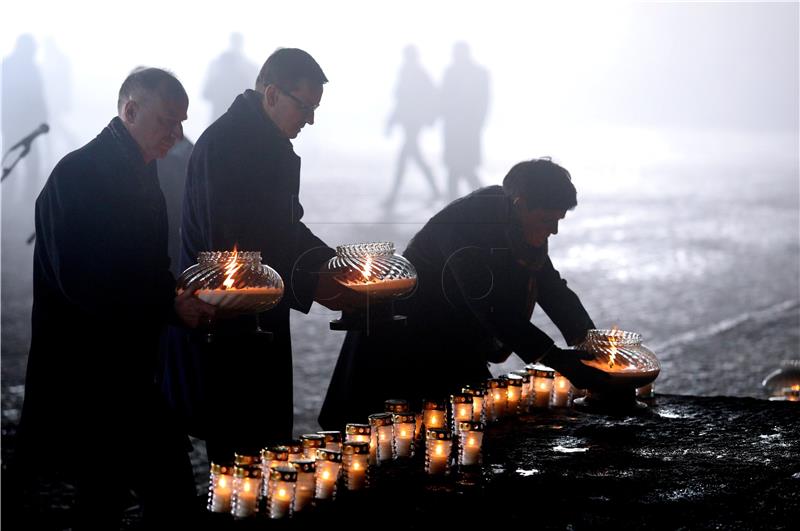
(554, 228)
(310, 117)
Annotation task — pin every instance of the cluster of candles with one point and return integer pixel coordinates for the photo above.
(289, 478)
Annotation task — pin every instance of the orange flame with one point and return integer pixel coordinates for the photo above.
(230, 270)
(613, 340)
(796, 387)
(367, 271)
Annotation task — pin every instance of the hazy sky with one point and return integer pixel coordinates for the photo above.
(645, 81)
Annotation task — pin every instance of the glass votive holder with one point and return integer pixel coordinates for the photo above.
(543, 385)
(513, 393)
(357, 433)
(246, 487)
(434, 414)
(306, 483)
(403, 426)
(355, 462)
(282, 491)
(470, 440)
(478, 393)
(329, 462)
(438, 447)
(271, 457)
(496, 398)
(526, 399)
(460, 408)
(311, 443)
(419, 429)
(295, 447)
(562, 391)
(245, 459)
(220, 485)
(396, 405)
(333, 440)
(381, 438)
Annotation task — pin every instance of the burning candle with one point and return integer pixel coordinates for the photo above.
(355, 461)
(295, 447)
(470, 439)
(461, 407)
(396, 405)
(311, 443)
(542, 385)
(438, 446)
(478, 393)
(357, 433)
(271, 457)
(514, 393)
(328, 464)
(403, 434)
(306, 483)
(496, 398)
(219, 489)
(418, 426)
(244, 496)
(561, 391)
(434, 414)
(282, 489)
(381, 438)
(526, 398)
(333, 440)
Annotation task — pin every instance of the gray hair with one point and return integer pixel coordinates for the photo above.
(145, 81)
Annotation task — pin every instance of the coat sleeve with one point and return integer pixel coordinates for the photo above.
(562, 305)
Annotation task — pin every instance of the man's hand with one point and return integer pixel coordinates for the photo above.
(336, 296)
(192, 311)
(568, 362)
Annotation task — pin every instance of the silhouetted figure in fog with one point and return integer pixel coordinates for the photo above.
(465, 101)
(57, 73)
(172, 179)
(228, 75)
(24, 109)
(415, 108)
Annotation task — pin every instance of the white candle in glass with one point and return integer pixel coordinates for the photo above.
(434, 414)
(357, 433)
(461, 408)
(329, 463)
(311, 443)
(333, 440)
(478, 392)
(306, 483)
(438, 446)
(270, 458)
(470, 441)
(244, 499)
(542, 385)
(561, 391)
(496, 398)
(354, 464)
(403, 434)
(220, 484)
(282, 490)
(381, 424)
(526, 398)
(514, 393)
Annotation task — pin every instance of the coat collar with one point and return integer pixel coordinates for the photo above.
(126, 144)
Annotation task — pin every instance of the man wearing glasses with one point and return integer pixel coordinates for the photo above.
(242, 191)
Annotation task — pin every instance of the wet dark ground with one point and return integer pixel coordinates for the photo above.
(705, 264)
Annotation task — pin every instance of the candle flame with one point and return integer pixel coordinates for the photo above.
(247, 486)
(367, 271)
(471, 441)
(356, 466)
(403, 433)
(222, 482)
(796, 387)
(326, 474)
(230, 270)
(497, 396)
(439, 449)
(613, 340)
(282, 493)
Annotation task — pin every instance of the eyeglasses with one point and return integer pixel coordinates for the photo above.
(303, 106)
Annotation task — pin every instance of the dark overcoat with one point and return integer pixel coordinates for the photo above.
(477, 285)
(242, 189)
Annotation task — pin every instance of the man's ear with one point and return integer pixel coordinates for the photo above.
(130, 111)
(270, 94)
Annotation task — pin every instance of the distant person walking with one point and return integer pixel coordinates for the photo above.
(465, 102)
(415, 108)
(228, 75)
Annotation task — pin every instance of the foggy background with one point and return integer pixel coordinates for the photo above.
(678, 122)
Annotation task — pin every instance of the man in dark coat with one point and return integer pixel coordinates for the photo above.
(242, 192)
(482, 265)
(103, 293)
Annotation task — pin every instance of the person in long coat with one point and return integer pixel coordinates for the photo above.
(482, 266)
(242, 192)
(102, 295)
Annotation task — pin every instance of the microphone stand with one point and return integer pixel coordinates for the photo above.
(26, 148)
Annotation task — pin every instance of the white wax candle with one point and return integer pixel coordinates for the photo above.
(433, 418)
(306, 484)
(471, 447)
(439, 455)
(385, 443)
(561, 391)
(356, 472)
(281, 502)
(477, 408)
(512, 396)
(246, 499)
(543, 387)
(403, 435)
(327, 475)
(221, 494)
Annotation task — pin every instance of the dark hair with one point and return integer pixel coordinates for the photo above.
(542, 183)
(144, 81)
(287, 67)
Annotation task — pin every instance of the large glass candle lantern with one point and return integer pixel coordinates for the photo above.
(496, 398)
(357, 433)
(234, 281)
(403, 426)
(333, 440)
(381, 438)
(562, 389)
(311, 443)
(282, 491)
(470, 440)
(514, 393)
(380, 275)
(306, 483)
(526, 398)
(460, 408)
(246, 487)
(271, 457)
(478, 393)
(438, 447)
(329, 463)
(295, 447)
(783, 381)
(434, 414)
(396, 405)
(220, 485)
(627, 365)
(355, 462)
(542, 385)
